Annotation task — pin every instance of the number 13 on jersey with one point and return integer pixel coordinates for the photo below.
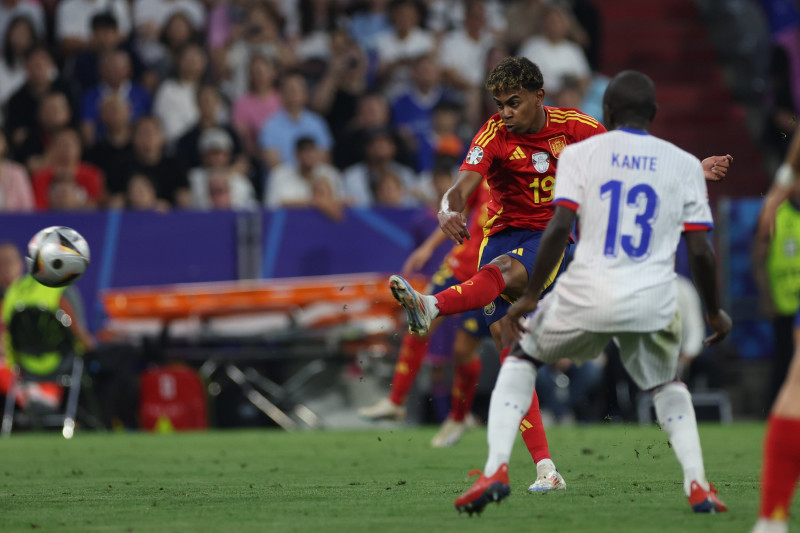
(641, 198)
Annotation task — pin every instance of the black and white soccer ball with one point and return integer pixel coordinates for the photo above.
(57, 256)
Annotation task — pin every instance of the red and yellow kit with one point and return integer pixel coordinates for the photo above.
(463, 259)
(521, 169)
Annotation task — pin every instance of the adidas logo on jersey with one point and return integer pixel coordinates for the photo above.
(517, 154)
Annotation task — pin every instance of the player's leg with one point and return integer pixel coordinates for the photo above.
(498, 274)
(651, 359)
(467, 372)
(781, 461)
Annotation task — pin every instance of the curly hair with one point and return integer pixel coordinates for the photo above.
(514, 73)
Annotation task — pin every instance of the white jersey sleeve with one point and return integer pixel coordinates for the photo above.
(570, 187)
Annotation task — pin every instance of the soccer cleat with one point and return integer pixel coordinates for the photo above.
(765, 525)
(485, 490)
(419, 307)
(547, 479)
(383, 410)
(449, 434)
(705, 501)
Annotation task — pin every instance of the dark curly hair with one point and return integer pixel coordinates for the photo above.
(515, 73)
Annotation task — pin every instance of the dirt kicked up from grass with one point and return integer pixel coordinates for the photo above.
(619, 478)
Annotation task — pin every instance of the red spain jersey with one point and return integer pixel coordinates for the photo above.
(521, 169)
(463, 259)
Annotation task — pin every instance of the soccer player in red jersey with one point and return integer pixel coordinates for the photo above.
(517, 152)
(781, 462)
(458, 266)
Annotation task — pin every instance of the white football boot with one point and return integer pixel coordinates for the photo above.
(547, 478)
(383, 410)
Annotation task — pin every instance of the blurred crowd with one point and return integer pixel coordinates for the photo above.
(242, 104)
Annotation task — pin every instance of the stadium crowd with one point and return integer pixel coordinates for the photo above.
(237, 104)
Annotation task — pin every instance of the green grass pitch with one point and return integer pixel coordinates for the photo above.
(620, 478)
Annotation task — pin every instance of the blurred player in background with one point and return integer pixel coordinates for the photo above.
(634, 195)
(459, 265)
(516, 151)
(781, 461)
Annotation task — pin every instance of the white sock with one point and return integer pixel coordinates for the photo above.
(675, 414)
(511, 398)
(545, 466)
(432, 304)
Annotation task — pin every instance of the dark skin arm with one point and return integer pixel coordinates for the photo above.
(703, 266)
(551, 249)
(451, 212)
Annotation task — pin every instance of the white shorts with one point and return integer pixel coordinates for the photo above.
(650, 357)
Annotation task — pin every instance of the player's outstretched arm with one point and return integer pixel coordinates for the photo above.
(703, 266)
(451, 216)
(715, 168)
(417, 259)
(551, 249)
(785, 178)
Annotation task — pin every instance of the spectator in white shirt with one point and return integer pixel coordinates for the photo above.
(74, 17)
(309, 183)
(555, 55)
(398, 47)
(19, 38)
(176, 100)
(216, 147)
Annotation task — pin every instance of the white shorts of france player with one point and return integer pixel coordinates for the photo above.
(651, 358)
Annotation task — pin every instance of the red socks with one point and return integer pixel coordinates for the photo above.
(533, 432)
(465, 384)
(475, 293)
(412, 353)
(781, 467)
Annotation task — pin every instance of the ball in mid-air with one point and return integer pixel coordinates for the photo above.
(57, 256)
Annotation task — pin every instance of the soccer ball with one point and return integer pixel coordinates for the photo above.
(57, 256)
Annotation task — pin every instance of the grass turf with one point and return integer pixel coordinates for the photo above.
(620, 478)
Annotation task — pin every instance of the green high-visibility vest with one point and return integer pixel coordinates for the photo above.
(783, 261)
(27, 292)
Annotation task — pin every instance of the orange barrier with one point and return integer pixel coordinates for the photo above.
(234, 297)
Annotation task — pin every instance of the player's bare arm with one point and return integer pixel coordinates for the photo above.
(551, 250)
(703, 267)
(715, 168)
(417, 259)
(785, 178)
(451, 216)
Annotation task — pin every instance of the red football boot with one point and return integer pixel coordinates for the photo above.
(705, 501)
(485, 490)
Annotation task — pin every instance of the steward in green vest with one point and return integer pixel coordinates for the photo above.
(783, 261)
(27, 292)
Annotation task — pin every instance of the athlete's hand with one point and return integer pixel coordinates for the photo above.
(716, 167)
(454, 225)
(516, 315)
(417, 260)
(721, 323)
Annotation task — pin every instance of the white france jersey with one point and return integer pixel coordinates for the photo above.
(634, 195)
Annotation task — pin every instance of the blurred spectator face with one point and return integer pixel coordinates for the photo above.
(262, 74)
(556, 24)
(115, 68)
(177, 31)
(445, 120)
(115, 112)
(54, 112)
(474, 17)
(569, 95)
(263, 24)
(20, 35)
(106, 37)
(66, 195)
(426, 73)
(148, 139)
(381, 149)
(216, 158)
(66, 148)
(141, 193)
(40, 68)
(373, 111)
(219, 190)
(389, 190)
(405, 18)
(192, 64)
(208, 102)
(11, 266)
(308, 157)
(294, 92)
(216, 147)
